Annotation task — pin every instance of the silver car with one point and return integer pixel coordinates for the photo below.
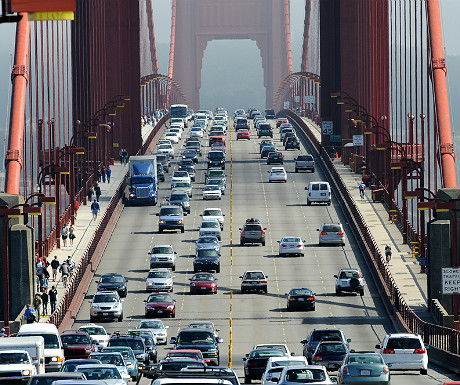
(107, 372)
(159, 330)
(114, 358)
(106, 304)
(291, 245)
(211, 228)
(159, 280)
(162, 256)
(350, 281)
(308, 374)
(186, 187)
(331, 234)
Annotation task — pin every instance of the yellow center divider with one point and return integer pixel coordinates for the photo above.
(231, 245)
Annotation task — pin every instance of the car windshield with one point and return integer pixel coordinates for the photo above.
(107, 358)
(365, 359)
(104, 297)
(203, 277)
(287, 363)
(215, 155)
(403, 343)
(210, 225)
(305, 375)
(111, 279)
(202, 253)
(104, 373)
(301, 292)
(164, 146)
(349, 274)
(51, 340)
(151, 325)
(181, 184)
(133, 343)
(260, 353)
(162, 250)
(170, 211)
(93, 330)
(207, 240)
(215, 173)
(305, 158)
(184, 354)
(268, 148)
(180, 174)
(141, 180)
(195, 337)
(159, 274)
(13, 358)
(277, 171)
(189, 152)
(201, 325)
(162, 158)
(319, 335)
(75, 339)
(214, 182)
(252, 228)
(212, 212)
(160, 298)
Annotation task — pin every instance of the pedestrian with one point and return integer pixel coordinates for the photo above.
(55, 266)
(72, 235)
(43, 283)
(76, 206)
(108, 173)
(64, 270)
(30, 314)
(39, 268)
(45, 300)
(97, 190)
(95, 209)
(90, 193)
(125, 156)
(64, 234)
(99, 173)
(121, 156)
(2, 333)
(103, 171)
(53, 299)
(37, 305)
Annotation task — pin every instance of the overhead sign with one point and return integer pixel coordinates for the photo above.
(358, 140)
(327, 127)
(286, 105)
(450, 280)
(336, 138)
(309, 98)
(297, 98)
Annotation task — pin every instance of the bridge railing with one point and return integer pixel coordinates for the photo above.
(436, 336)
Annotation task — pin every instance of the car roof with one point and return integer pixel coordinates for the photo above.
(76, 332)
(161, 246)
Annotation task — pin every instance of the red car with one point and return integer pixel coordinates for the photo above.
(280, 121)
(77, 344)
(203, 283)
(187, 353)
(216, 138)
(160, 304)
(218, 146)
(243, 134)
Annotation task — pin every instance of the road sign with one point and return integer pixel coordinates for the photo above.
(286, 105)
(309, 98)
(336, 138)
(358, 140)
(450, 280)
(297, 99)
(327, 127)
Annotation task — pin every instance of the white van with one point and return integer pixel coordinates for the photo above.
(318, 192)
(54, 352)
(34, 345)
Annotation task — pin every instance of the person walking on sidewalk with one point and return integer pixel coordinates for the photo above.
(72, 235)
(38, 304)
(125, 156)
(55, 266)
(109, 173)
(45, 300)
(30, 314)
(95, 208)
(64, 235)
(103, 172)
(90, 193)
(43, 283)
(76, 206)
(98, 192)
(53, 298)
(362, 189)
(64, 269)
(121, 156)
(99, 173)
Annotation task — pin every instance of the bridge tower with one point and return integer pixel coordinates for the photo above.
(197, 22)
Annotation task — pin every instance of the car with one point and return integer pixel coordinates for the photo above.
(404, 351)
(304, 162)
(292, 142)
(285, 125)
(275, 366)
(275, 157)
(164, 160)
(201, 339)
(299, 299)
(365, 367)
(160, 304)
(191, 171)
(265, 142)
(317, 335)
(211, 227)
(252, 232)
(241, 124)
(214, 173)
(187, 162)
(113, 282)
(196, 132)
(114, 358)
(287, 135)
(180, 199)
(309, 374)
(291, 245)
(269, 113)
(162, 256)
(193, 145)
(159, 280)
(160, 172)
(106, 304)
(190, 153)
(136, 343)
(243, 134)
(179, 122)
(157, 327)
(218, 146)
(266, 150)
(185, 353)
(280, 121)
(207, 242)
(77, 344)
(331, 234)
(277, 174)
(172, 136)
(255, 363)
(213, 213)
(217, 182)
(180, 176)
(107, 372)
(283, 347)
(203, 283)
(96, 333)
(206, 260)
(216, 158)
(265, 129)
(182, 187)
(216, 136)
(254, 280)
(129, 357)
(166, 149)
(204, 325)
(330, 354)
(319, 192)
(212, 192)
(171, 218)
(350, 281)
(70, 365)
(149, 341)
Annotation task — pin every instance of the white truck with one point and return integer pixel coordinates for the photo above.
(34, 345)
(16, 365)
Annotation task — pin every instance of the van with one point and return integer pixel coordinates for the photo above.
(54, 352)
(34, 345)
(318, 192)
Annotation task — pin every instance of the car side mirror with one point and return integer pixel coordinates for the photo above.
(145, 300)
(304, 241)
(348, 339)
(175, 252)
(378, 346)
(240, 228)
(317, 229)
(306, 188)
(172, 340)
(278, 241)
(303, 341)
(166, 327)
(265, 228)
(243, 359)
(97, 281)
(220, 340)
(201, 215)
(157, 214)
(241, 276)
(42, 361)
(292, 354)
(335, 276)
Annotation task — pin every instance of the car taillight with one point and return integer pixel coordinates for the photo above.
(299, 245)
(388, 351)
(310, 299)
(345, 370)
(242, 233)
(245, 282)
(323, 233)
(340, 233)
(263, 232)
(317, 358)
(263, 281)
(292, 299)
(283, 245)
(250, 363)
(419, 351)
(313, 163)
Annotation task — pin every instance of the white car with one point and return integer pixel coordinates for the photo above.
(162, 256)
(350, 281)
(16, 366)
(196, 132)
(96, 332)
(212, 192)
(275, 366)
(305, 374)
(109, 373)
(277, 174)
(176, 126)
(178, 121)
(159, 280)
(172, 136)
(165, 148)
(177, 130)
(210, 228)
(404, 351)
(160, 331)
(106, 304)
(214, 213)
(180, 176)
(291, 245)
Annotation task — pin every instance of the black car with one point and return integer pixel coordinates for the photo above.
(292, 142)
(265, 129)
(113, 282)
(160, 172)
(206, 260)
(190, 153)
(242, 124)
(165, 161)
(191, 171)
(269, 113)
(267, 150)
(193, 145)
(275, 157)
(288, 135)
(136, 343)
(301, 299)
(216, 159)
(149, 342)
(256, 361)
(180, 199)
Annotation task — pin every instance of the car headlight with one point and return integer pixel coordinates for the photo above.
(181, 221)
(170, 307)
(152, 195)
(26, 373)
(161, 221)
(169, 283)
(220, 220)
(117, 306)
(149, 283)
(192, 284)
(130, 366)
(213, 285)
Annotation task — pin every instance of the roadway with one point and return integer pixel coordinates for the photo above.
(256, 318)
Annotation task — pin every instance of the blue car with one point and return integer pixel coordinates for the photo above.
(128, 356)
(330, 354)
(207, 242)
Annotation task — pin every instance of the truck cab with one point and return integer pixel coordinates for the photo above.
(142, 180)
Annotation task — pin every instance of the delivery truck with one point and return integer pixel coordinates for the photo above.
(142, 180)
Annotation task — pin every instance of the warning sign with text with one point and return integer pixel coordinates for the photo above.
(450, 280)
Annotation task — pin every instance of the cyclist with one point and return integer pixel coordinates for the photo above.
(388, 252)
(362, 188)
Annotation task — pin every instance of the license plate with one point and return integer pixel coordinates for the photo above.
(203, 288)
(300, 299)
(105, 314)
(160, 311)
(365, 372)
(255, 282)
(323, 194)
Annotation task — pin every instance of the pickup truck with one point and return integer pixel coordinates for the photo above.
(16, 365)
(304, 162)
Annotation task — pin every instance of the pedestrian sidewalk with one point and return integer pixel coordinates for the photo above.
(404, 268)
(85, 226)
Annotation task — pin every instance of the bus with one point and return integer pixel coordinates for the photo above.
(179, 111)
